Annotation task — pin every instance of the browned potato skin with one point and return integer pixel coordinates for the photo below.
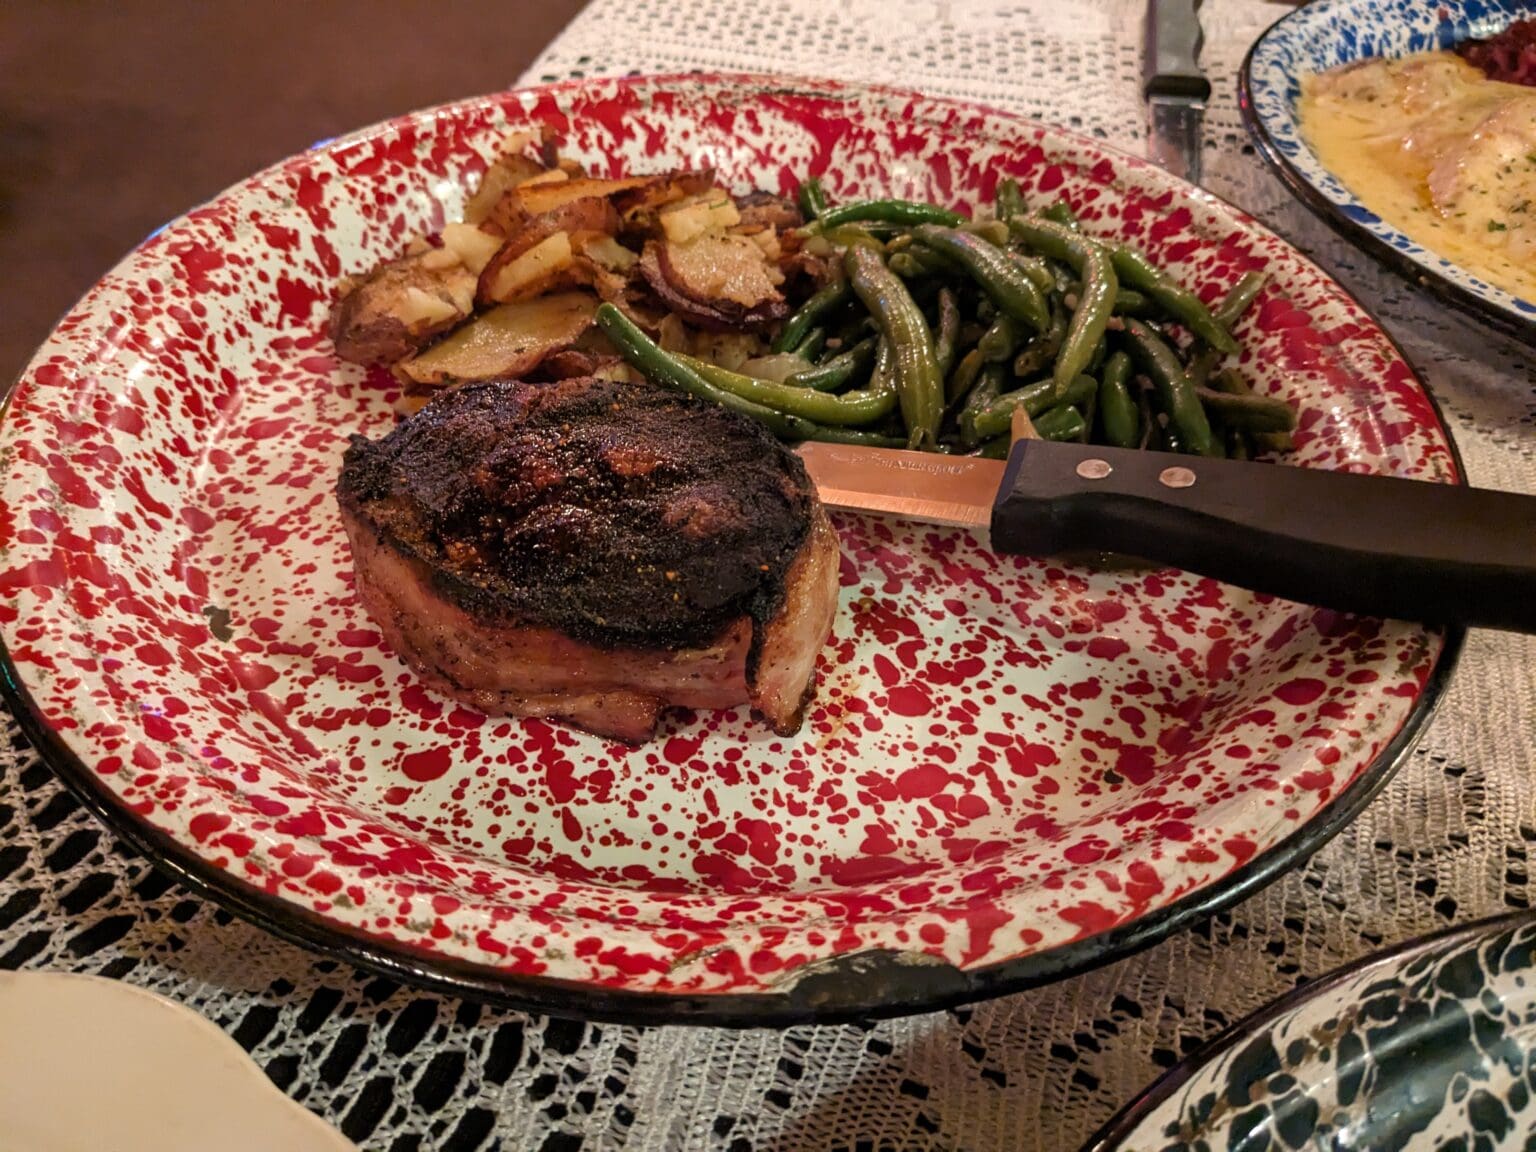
(365, 321)
(765, 210)
(523, 204)
(571, 363)
(715, 315)
(656, 191)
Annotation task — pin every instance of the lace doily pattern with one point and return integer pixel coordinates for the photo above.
(1449, 840)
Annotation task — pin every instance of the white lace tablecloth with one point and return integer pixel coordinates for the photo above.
(1450, 838)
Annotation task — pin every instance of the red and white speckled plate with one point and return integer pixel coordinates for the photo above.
(1013, 769)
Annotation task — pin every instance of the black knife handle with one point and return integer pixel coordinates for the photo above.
(1171, 51)
(1376, 545)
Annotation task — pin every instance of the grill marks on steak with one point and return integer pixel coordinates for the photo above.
(593, 550)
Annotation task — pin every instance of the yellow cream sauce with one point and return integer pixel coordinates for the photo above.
(1440, 152)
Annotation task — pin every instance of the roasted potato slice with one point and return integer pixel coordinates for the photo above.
(530, 200)
(587, 215)
(506, 173)
(507, 341)
(401, 306)
(714, 282)
(695, 216)
(549, 264)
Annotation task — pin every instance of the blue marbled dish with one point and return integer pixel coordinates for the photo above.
(1325, 34)
(1429, 1046)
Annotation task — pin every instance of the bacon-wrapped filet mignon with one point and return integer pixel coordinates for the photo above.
(593, 551)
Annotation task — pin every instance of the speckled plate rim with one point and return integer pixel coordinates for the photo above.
(849, 988)
(1416, 264)
(1123, 1125)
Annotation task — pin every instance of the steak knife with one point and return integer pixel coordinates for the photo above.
(1374, 545)
(1176, 90)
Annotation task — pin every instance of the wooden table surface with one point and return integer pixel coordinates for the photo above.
(116, 117)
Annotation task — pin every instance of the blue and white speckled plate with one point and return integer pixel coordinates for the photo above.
(1431, 1045)
(1325, 34)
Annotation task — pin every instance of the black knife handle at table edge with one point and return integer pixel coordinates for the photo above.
(1171, 50)
(1378, 546)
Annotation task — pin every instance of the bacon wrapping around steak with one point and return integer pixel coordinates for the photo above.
(593, 551)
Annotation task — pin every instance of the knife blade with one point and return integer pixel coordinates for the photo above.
(1175, 89)
(1375, 545)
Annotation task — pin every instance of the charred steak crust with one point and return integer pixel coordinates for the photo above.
(622, 514)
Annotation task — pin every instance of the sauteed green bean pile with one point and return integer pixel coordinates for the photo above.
(932, 331)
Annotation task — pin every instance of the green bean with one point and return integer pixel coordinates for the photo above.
(1001, 340)
(1117, 411)
(1040, 353)
(1231, 381)
(1060, 213)
(1201, 365)
(810, 348)
(883, 374)
(1272, 441)
(1063, 422)
(988, 388)
(1144, 412)
(811, 198)
(1249, 412)
(909, 265)
(1175, 393)
(1034, 398)
(1170, 440)
(826, 298)
(850, 408)
(996, 448)
(1129, 302)
(1005, 285)
(852, 436)
(643, 354)
(905, 212)
(945, 341)
(962, 380)
(919, 387)
(1096, 361)
(1096, 298)
(1036, 269)
(851, 235)
(992, 231)
(1236, 301)
(1090, 411)
(1010, 201)
(1237, 444)
(837, 372)
(1136, 271)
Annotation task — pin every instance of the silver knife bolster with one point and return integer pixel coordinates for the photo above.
(1174, 141)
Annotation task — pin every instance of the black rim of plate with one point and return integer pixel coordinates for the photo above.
(1463, 299)
(843, 989)
(1124, 1124)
